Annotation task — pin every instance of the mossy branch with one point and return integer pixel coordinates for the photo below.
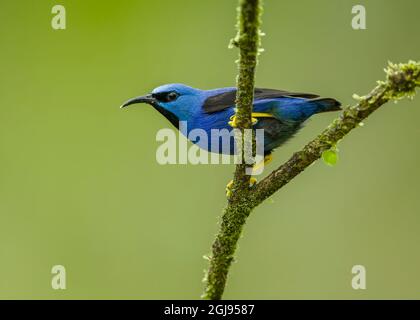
(401, 81)
(248, 41)
(237, 210)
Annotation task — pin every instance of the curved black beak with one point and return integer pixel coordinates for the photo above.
(143, 99)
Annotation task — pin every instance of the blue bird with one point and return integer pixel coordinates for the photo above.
(280, 113)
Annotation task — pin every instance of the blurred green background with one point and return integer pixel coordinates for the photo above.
(80, 186)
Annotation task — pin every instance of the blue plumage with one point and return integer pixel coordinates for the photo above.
(280, 113)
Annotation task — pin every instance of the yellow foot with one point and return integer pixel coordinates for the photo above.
(229, 189)
(267, 159)
(232, 122)
(252, 182)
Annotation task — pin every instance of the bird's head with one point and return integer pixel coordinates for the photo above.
(177, 102)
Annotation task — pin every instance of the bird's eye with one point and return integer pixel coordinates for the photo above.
(172, 96)
(166, 96)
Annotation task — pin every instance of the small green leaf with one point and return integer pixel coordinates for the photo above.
(330, 157)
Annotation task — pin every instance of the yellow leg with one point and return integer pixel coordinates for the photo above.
(229, 189)
(267, 159)
(232, 122)
(252, 182)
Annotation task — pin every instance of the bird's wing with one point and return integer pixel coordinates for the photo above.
(225, 100)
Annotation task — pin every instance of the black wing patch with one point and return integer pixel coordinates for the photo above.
(277, 129)
(227, 99)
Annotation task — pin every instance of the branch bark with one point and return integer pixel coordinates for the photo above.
(247, 40)
(237, 210)
(401, 81)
